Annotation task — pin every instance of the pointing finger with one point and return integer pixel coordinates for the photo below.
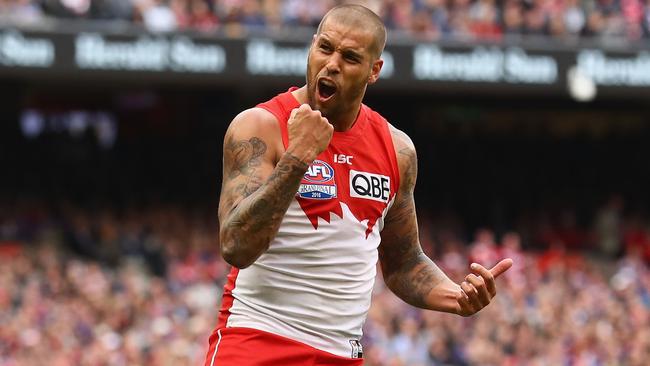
(501, 267)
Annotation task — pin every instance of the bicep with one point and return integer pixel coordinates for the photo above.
(249, 154)
(400, 245)
(399, 237)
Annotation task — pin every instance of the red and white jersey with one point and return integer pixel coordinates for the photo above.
(314, 283)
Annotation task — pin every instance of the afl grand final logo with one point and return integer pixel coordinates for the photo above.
(318, 182)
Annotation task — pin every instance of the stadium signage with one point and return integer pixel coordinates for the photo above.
(615, 71)
(193, 59)
(180, 54)
(482, 64)
(19, 50)
(265, 57)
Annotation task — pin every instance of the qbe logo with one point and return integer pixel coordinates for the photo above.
(318, 182)
(370, 186)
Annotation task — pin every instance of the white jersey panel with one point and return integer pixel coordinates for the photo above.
(312, 285)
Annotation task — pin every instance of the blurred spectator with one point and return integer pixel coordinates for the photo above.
(614, 22)
(574, 17)
(535, 22)
(459, 22)
(637, 238)
(513, 18)
(157, 16)
(483, 16)
(21, 11)
(484, 250)
(181, 10)
(111, 9)
(608, 227)
(645, 19)
(67, 8)
(202, 17)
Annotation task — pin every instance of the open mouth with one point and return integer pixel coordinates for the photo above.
(326, 89)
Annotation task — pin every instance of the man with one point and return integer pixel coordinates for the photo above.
(313, 180)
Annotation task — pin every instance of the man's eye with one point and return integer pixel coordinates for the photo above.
(352, 58)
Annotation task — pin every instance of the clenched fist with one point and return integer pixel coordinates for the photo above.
(309, 133)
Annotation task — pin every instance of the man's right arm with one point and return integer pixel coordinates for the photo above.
(260, 181)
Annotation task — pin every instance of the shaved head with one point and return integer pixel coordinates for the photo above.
(359, 17)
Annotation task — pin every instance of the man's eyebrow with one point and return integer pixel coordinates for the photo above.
(322, 39)
(353, 53)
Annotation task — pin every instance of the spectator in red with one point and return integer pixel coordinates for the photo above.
(202, 17)
(180, 8)
(484, 248)
(637, 238)
(483, 16)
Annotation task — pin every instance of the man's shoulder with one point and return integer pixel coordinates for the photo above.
(406, 157)
(401, 140)
(281, 105)
(254, 118)
(259, 126)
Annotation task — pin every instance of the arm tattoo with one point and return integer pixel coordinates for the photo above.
(243, 156)
(249, 226)
(408, 272)
(241, 177)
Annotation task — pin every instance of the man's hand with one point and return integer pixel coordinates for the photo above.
(408, 272)
(309, 133)
(479, 287)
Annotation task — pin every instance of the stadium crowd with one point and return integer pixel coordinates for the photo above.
(427, 19)
(142, 287)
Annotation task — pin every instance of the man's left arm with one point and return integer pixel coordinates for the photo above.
(407, 271)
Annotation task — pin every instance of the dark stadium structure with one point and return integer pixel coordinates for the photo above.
(488, 159)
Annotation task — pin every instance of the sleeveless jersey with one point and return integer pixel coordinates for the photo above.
(314, 283)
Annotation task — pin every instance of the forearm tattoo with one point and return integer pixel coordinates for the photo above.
(408, 272)
(254, 220)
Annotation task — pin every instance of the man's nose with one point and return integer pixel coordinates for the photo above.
(334, 63)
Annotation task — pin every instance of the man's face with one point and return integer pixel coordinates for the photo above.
(341, 64)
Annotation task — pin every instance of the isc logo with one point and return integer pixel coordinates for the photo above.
(319, 172)
(343, 159)
(370, 186)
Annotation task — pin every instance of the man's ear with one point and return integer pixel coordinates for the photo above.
(374, 73)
